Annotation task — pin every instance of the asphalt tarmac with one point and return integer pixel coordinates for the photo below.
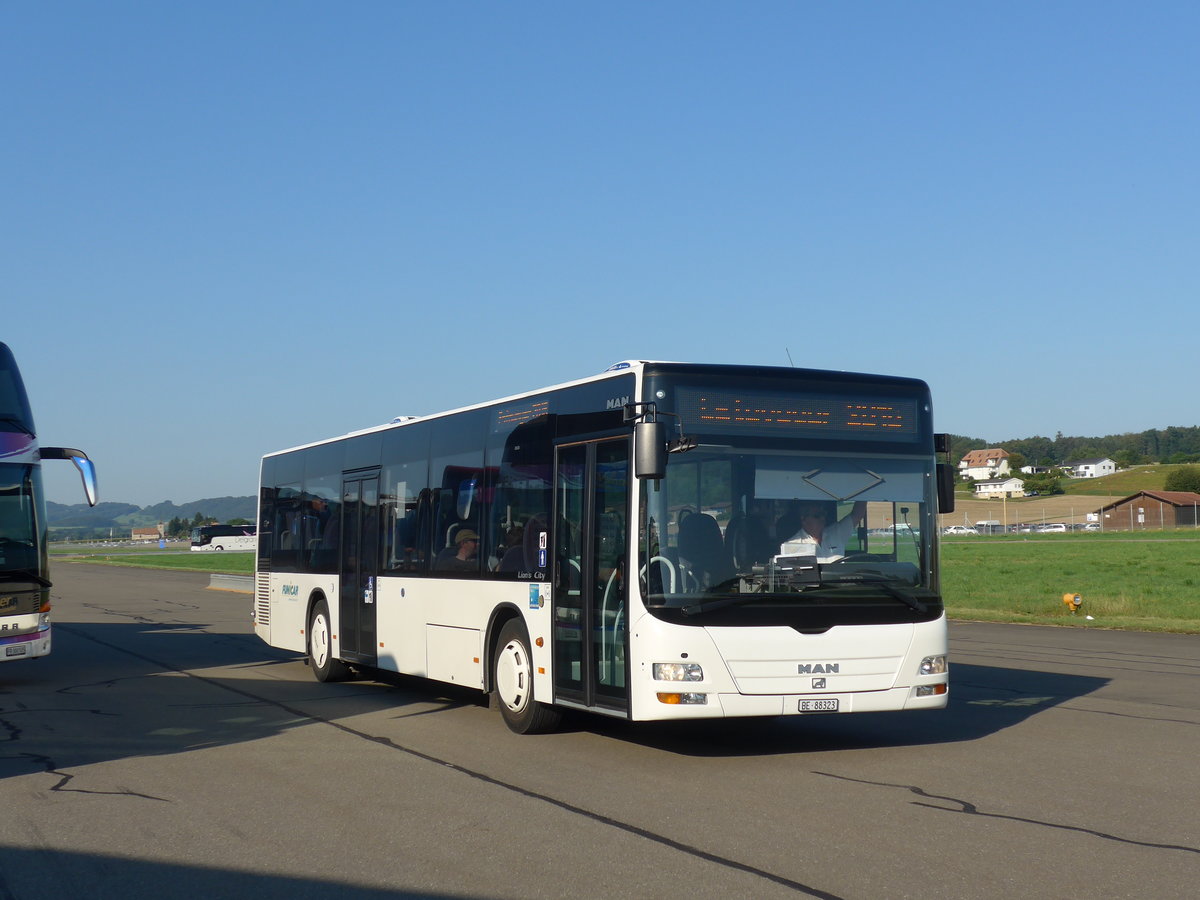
(163, 751)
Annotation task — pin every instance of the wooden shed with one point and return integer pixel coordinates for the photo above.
(1152, 510)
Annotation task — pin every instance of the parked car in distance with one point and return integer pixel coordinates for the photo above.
(1090, 526)
(959, 529)
(1053, 528)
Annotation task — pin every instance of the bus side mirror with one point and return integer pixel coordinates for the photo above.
(945, 487)
(87, 470)
(650, 449)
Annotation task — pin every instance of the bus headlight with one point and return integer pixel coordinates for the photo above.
(933, 665)
(678, 672)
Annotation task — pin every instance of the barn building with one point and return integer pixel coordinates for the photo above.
(1152, 510)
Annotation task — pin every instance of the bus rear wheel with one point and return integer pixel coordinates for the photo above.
(512, 677)
(320, 646)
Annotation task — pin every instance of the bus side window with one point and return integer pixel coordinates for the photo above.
(287, 535)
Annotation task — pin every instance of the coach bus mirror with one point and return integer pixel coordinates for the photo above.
(87, 470)
(945, 487)
(650, 449)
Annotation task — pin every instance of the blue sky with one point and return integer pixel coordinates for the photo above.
(230, 228)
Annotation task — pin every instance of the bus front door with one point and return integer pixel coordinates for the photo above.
(591, 533)
(359, 567)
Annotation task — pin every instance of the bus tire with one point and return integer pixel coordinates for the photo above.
(320, 646)
(512, 678)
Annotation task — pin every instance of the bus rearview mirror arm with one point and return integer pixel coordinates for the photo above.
(650, 445)
(87, 469)
(945, 474)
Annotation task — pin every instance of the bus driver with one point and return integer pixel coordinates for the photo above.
(824, 539)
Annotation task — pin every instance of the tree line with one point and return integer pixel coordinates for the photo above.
(1157, 445)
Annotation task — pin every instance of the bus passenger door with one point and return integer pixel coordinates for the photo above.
(590, 540)
(359, 566)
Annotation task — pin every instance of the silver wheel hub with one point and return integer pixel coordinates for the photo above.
(319, 640)
(513, 676)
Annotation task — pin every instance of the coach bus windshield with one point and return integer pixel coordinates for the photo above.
(21, 558)
(754, 529)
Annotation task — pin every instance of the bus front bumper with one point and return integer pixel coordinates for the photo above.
(730, 705)
(25, 646)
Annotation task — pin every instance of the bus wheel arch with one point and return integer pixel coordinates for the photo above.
(511, 679)
(500, 617)
(319, 641)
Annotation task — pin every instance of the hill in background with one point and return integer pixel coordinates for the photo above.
(120, 517)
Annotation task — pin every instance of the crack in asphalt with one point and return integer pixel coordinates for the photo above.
(105, 683)
(970, 809)
(64, 778)
(50, 767)
(1121, 715)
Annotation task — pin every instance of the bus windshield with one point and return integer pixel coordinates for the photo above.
(741, 527)
(20, 556)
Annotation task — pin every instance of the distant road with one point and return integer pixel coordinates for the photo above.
(162, 751)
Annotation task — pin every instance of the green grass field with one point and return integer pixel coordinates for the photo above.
(1143, 582)
(220, 563)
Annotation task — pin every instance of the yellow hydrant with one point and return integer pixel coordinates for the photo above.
(1073, 602)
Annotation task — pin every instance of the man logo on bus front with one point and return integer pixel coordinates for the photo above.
(818, 668)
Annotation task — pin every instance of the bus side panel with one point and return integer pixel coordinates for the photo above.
(437, 628)
(286, 625)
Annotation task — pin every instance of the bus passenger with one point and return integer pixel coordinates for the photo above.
(466, 559)
(513, 557)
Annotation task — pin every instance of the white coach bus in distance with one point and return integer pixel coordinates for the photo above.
(660, 541)
(224, 537)
(24, 560)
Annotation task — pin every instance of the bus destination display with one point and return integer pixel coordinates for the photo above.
(777, 413)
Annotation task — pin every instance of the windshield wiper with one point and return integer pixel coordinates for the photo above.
(697, 608)
(883, 584)
(812, 590)
(24, 575)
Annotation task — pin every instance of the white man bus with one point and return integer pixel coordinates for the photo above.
(636, 547)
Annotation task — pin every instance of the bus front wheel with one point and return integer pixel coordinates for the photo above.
(320, 646)
(513, 681)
